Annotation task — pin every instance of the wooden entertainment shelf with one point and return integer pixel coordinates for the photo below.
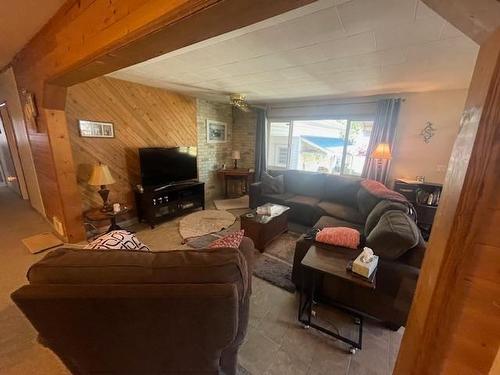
(156, 204)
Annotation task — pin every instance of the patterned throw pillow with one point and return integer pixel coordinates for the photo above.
(232, 240)
(339, 236)
(117, 240)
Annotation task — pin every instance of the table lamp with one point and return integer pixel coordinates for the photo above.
(381, 152)
(236, 156)
(101, 176)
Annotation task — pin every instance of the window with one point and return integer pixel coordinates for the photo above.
(277, 149)
(337, 146)
(282, 155)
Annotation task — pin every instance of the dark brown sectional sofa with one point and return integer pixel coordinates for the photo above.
(322, 200)
(141, 312)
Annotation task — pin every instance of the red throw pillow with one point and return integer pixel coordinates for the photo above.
(339, 236)
(231, 240)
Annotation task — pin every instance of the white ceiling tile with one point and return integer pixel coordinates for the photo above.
(423, 11)
(364, 15)
(404, 34)
(382, 46)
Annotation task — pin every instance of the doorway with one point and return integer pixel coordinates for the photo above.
(10, 165)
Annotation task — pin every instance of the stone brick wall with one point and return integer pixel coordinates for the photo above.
(211, 156)
(244, 129)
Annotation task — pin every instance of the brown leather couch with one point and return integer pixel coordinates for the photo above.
(322, 200)
(135, 312)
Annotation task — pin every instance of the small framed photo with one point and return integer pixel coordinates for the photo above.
(216, 131)
(96, 129)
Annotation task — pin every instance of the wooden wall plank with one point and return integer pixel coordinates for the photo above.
(142, 116)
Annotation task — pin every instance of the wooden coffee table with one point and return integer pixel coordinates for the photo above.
(262, 229)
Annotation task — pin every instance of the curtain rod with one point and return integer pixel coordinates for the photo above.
(312, 104)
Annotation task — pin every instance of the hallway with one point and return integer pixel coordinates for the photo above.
(19, 351)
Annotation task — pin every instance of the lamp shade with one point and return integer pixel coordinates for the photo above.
(236, 155)
(382, 151)
(101, 176)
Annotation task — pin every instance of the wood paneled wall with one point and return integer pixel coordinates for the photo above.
(143, 116)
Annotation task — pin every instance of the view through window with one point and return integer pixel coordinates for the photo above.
(332, 146)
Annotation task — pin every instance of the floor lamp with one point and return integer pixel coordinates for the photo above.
(381, 152)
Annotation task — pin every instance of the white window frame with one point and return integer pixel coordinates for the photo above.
(290, 121)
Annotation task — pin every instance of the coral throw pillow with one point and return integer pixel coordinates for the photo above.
(231, 240)
(339, 236)
(117, 240)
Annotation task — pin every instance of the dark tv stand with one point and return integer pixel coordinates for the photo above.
(158, 203)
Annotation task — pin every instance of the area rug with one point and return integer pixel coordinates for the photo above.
(205, 222)
(232, 204)
(274, 265)
(41, 242)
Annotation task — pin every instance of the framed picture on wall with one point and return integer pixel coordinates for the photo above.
(216, 131)
(96, 129)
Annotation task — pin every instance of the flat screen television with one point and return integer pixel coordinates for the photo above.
(163, 166)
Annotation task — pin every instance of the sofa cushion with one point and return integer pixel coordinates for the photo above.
(304, 183)
(303, 209)
(394, 235)
(277, 198)
(341, 189)
(377, 212)
(69, 266)
(341, 211)
(272, 185)
(328, 221)
(366, 202)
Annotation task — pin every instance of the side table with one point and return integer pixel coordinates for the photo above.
(96, 215)
(240, 174)
(317, 263)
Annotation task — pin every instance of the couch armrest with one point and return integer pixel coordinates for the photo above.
(255, 194)
(301, 247)
(247, 249)
(399, 281)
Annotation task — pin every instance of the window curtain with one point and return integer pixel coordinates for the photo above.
(260, 143)
(384, 130)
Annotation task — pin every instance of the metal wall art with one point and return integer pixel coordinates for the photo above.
(428, 132)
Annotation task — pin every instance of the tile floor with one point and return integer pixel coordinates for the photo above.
(275, 343)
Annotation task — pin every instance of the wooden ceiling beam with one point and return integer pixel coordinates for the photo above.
(215, 19)
(477, 19)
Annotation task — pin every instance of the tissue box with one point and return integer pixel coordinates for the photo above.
(364, 269)
(268, 210)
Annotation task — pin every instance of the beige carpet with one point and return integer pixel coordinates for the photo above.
(205, 222)
(232, 204)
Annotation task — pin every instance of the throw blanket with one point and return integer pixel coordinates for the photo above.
(381, 191)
